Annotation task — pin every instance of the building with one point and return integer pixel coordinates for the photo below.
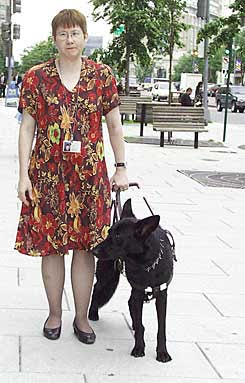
(94, 42)
(3, 10)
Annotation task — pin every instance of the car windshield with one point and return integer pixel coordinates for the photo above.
(239, 90)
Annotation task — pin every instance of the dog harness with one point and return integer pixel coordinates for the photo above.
(161, 254)
(151, 292)
(119, 264)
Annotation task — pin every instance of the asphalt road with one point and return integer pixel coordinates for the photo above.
(233, 118)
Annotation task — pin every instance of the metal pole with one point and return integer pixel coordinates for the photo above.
(227, 90)
(205, 72)
(9, 43)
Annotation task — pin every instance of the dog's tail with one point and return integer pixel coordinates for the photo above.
(107, 280)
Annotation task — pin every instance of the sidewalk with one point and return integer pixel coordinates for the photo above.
(206, 311)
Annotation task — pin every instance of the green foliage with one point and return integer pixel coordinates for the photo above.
(185, 65)
(37, 54)
(215, 64)
(239, 44)
(149, 26)
(2, 58)
(170, 23)
(143, 71)
(222, 30)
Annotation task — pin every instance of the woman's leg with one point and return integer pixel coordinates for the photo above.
(53, 273)
(82, 276)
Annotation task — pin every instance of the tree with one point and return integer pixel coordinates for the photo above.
(2, 57)
(140, 37)
(239, 44)
(222, 30)
(110, 57)
(184, 65)
(170, 23)
(143, 71)
(37, 54)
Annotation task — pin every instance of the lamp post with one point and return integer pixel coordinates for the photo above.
(205, 72)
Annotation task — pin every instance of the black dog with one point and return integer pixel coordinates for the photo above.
(148, 255)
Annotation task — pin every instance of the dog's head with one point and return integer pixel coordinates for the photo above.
(128, 237)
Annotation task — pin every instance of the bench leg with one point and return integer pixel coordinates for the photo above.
(122, 119)
(169, 136)
(162, 139)
(196, 140)
(141, 129)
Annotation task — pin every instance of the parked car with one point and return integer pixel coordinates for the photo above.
(236, 98)
(160, 90)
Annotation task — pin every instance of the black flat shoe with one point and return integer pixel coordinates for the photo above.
(84, 337)
(51, 333)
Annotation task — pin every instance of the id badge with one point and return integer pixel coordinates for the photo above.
(71, 146)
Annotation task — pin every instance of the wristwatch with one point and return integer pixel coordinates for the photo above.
(120, 164)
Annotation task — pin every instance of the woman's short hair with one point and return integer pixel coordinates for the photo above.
(69, 18)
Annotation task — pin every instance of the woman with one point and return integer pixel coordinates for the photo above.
(64, 187)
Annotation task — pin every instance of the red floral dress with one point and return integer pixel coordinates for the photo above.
(71, 191)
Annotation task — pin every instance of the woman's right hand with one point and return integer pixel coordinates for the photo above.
(25, 190)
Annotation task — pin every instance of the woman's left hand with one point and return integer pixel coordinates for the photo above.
(119, 180)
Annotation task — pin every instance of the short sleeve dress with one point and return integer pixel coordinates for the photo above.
(71, 191)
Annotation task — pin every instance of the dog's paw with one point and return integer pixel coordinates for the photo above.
(163, 357)
(138, 352)
(93, 315)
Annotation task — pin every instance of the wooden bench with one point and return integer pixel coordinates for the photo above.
(128, 104)
(144, 112)
(179, 119)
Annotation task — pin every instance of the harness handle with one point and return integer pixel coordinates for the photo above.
(117, 202)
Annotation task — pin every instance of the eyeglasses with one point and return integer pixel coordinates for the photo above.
(75, 35)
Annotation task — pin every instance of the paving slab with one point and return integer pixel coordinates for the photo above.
(90, 378)
(227, 359)
(9, 355)
(189, 329)
(111, 357)
(41, 378)
(231, 305)
(25, 298)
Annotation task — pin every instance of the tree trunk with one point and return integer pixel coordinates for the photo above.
(170, 75)
(242, 72)
(127, 69)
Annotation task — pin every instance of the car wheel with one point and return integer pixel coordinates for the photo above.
(158, 98)
(241, 110)
(233, 107)
(219, 107)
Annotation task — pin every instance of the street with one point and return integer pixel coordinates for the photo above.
(233, 118)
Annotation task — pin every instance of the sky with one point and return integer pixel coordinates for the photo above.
(36, 16)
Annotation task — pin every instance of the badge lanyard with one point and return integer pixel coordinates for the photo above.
(71, 146)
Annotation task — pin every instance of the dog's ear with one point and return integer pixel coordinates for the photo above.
(127, 210)
(146, 226)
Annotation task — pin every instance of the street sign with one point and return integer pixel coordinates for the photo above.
(12, 95)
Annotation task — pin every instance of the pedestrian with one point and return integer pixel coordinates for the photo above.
(66, 195)
(3, 83)
(199, 94)
(185, 98)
